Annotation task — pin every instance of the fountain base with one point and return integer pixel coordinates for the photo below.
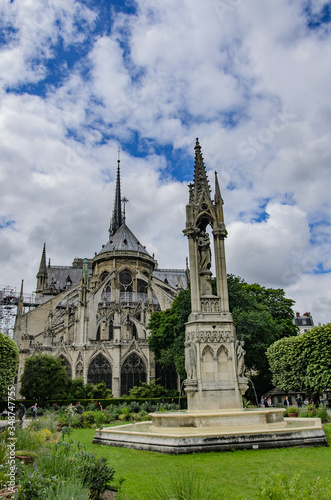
(191, 432)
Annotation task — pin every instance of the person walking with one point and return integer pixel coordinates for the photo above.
(79, 408)
(34, 411)
(22, 412)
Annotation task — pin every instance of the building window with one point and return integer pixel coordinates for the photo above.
(68, 282)
(98, 333)
(133, 373)
(125, 281)
(100, 371)
(142, 286)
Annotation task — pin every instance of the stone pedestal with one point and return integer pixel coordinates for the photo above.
(214, 383)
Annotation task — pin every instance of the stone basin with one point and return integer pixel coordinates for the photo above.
(191, 432)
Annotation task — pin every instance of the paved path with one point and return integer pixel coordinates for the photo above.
(26, 423)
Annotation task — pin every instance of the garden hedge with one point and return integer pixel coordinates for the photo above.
(104, 402)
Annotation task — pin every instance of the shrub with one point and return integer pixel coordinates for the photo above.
(93, 417)
(26, 440)
(8, 363)
(70, 461)
(98, 391)
(309, 411)
(186, 484)
(68, 491)
(95, 473)
(322, 413)
(280, 486)
(100, 418)
(48, 421)
(69, 418)
(151, 390)
(32, 485)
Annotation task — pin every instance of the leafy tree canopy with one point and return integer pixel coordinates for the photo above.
(303, 363)
(8, 363)
(168, 333)
(262, 316)
(44, 377)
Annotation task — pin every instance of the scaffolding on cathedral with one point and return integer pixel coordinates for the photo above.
(9, 299)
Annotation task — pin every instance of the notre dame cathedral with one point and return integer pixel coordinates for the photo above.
(94, 314)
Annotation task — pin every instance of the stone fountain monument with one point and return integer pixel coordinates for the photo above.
(214, 359)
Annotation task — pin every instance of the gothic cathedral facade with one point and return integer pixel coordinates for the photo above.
(94, 314)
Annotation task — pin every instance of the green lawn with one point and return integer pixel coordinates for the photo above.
(232, 474)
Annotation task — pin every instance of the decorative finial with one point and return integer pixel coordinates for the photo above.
(124, 201)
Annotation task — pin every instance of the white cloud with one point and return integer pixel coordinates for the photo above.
(281, 243)
(171, 72)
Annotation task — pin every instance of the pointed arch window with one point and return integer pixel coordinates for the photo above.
(98, 333)
(133, 373)
(104, 275)
(125, 281)
(100, 371)
(68, 282)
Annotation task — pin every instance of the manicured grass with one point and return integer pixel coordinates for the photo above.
(232, 475)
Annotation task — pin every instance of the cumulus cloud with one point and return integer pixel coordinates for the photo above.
(250, 79)
(281, 242)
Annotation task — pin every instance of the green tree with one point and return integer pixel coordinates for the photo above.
(8, 363)
(280, 307)
(303, 363)
(44, 377)
(262, 316)
(168, 333)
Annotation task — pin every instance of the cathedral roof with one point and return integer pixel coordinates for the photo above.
(123, 240)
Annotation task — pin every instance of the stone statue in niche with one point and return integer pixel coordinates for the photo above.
(190, 360)
(240, 358)
(204, 251)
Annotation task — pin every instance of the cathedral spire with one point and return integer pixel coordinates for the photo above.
(116, 220)
(42, 266)
(42, 273)
(200, 175)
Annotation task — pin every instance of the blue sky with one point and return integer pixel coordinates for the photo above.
(251, 79)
